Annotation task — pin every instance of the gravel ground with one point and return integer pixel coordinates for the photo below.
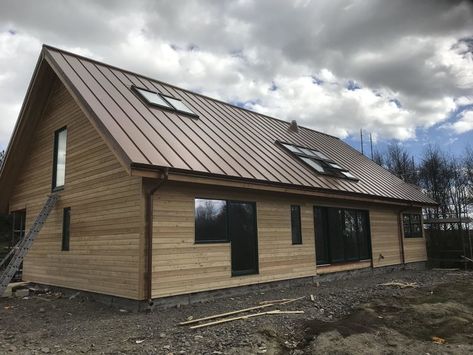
(346, 316)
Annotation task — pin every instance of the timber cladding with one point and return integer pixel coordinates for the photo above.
(107, 218)
(182, 266)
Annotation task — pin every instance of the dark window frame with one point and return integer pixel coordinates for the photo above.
(208, 241)
(54, 186)
(135, 89)
(18, 233)
(328, 240)
(296, 225)
(329, 170)
(66, 229)
(410, 223)
(256, 271)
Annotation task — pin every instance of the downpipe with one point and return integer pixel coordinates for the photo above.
(149, 233)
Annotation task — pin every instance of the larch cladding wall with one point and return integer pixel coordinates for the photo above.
(181, 266)
(107, 208)
(385, 243)
(415, 249)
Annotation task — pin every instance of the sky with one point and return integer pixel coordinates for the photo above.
(402, 70)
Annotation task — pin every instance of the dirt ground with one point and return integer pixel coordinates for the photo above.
(354, 316)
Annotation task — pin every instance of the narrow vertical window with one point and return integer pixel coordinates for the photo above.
(59, 169)
(296, 224)
(66, 228)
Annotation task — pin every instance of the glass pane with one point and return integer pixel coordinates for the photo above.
(348, 174)
(313, 164)
(320, 155)
(210, 220)
(178, 105)
(350, 234)
(336, 166)
(296, 224)
(415, 218)
(292, 148)
(337, 242)
(416, 230)
(321, 236)
(61, 158)
(242, 234)
(363, 235)
(153, 98)
(308, 152)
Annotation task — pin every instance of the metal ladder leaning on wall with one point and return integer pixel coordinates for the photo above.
(18, 252)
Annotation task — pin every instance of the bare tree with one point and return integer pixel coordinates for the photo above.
(468, 170)
(400, 163)
(436, 174)
(378, 157)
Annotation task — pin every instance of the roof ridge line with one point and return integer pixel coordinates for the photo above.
(47, 46)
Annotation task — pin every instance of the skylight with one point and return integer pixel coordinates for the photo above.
(164, 101)
(153, 98)
(318, 161)
(178, 105)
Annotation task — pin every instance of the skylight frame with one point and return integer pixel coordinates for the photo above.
(309, 157)
(187, 112)
(168, 106)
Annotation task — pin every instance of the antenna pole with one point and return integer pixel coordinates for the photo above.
(361, 138)
(371, 144)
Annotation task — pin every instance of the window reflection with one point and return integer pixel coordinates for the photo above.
(210, 220)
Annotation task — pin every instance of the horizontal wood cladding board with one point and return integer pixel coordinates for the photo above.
(415, 248)
(181, 266)
(385, 245)
(107, 220)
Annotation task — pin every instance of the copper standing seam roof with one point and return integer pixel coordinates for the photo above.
(224, 141)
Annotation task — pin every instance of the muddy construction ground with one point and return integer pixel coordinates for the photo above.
(355, 316)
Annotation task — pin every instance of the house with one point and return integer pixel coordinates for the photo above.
(165, 192)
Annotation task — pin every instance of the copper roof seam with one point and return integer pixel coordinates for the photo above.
(179, 88)
(305, 175)
(282, 163)
(152, 142)
(255, 135)
(246, 130)
(379, 167)
(121, 93)
(203, 120)
(104, 108)
(196, 137)
(228, 134)
(282, 135)
(160, 122)
(147, 145)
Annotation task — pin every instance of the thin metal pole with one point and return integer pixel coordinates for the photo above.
(361, 136)
(371, 144)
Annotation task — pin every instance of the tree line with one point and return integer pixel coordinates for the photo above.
(446, 178)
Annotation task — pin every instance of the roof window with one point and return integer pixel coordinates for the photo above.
(164, 101)
(318, 161)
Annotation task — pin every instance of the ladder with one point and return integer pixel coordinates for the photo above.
(17, 253)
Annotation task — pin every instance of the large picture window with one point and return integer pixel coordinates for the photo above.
(412, 225)
(59, 169)
(341, 235)
(229, 221)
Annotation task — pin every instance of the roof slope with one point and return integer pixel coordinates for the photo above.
(225, 140)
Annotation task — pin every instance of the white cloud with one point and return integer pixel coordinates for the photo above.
(463, 124)
(411, 60)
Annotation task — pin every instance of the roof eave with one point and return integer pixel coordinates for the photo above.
(152, 171)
